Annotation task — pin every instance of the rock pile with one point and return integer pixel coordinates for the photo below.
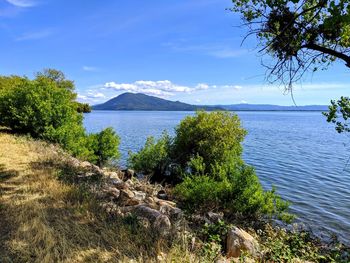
(122, 194)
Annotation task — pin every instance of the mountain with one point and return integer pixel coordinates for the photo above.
(139, 101)
(269, 107)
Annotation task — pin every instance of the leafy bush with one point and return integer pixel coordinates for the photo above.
(214, 136)
(153, 157)
(105, 146)
(237, 193)
(281, 245)
(45, 108)
(204, 158)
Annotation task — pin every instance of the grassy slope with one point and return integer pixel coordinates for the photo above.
(45, 220)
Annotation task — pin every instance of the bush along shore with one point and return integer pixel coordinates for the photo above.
(193, 199)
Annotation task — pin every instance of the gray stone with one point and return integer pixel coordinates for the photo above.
(158, 221)
(140, 195)
(112, 192)
(238, 241)
(215, 217)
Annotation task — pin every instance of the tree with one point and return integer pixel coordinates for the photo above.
(83, 107)
(45, 108)
(105, 146)
(213, 136)
(301, 36)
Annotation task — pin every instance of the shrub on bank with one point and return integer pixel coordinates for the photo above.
(153, 158)
(45, 108)
(204, 161)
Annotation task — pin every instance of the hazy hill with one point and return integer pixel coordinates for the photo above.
(269, 107)
(139, 101)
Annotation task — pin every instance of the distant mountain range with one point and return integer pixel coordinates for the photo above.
(142, 102)
(139, 101)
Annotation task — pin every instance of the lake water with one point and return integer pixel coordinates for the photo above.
(298, 152)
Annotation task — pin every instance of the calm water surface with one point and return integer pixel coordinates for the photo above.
(298, 152)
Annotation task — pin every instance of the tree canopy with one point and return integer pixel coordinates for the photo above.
(301, 35)
(45, 108)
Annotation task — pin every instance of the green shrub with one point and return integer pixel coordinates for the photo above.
(105, 146)
(237, 193)
(153, 157)
(204, 158)
(45, 108)
(214, 136)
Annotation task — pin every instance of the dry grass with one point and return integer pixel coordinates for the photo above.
(45, 220)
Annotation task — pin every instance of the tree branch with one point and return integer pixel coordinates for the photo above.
(328, 51)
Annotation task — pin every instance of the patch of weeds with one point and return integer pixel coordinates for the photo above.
(214, 236)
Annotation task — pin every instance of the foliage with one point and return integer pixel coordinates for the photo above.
(214, 137)
(83, 107)
(204, 160)
(238, 193)
(45, 108)
(339, 113)
(213, 236)
(299, 34)
(281, 245)
(153, 157)
(105, 146)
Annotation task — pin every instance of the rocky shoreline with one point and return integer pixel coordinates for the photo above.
(122, 194)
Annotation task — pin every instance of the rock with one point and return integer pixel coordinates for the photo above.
(215, 217)
(159, 221)
(238, 241)
(139, 195)
(119, 184)
(162, 224)
(96, 169)
(112, 192)
(113, 175)
(174, 213)
(128, 174)
(162, 195)
(74, 162)
(109, 207)
(126, 194)
(85, 165)
(129, 183)
(164, 202)
(128, 198)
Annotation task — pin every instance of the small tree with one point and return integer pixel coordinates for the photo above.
(105, 146)
(214, 136)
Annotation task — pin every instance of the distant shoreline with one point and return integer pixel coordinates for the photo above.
(223, 110)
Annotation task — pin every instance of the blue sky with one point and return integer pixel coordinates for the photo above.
(187, 50)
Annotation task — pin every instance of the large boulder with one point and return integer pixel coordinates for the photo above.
(159, 222)
(239, 241)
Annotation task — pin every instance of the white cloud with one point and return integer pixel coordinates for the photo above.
(162, 88)
(89, 68)
(34, 35)
(22, 3)
(82, 97)
(243, 102)
(95, 95)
